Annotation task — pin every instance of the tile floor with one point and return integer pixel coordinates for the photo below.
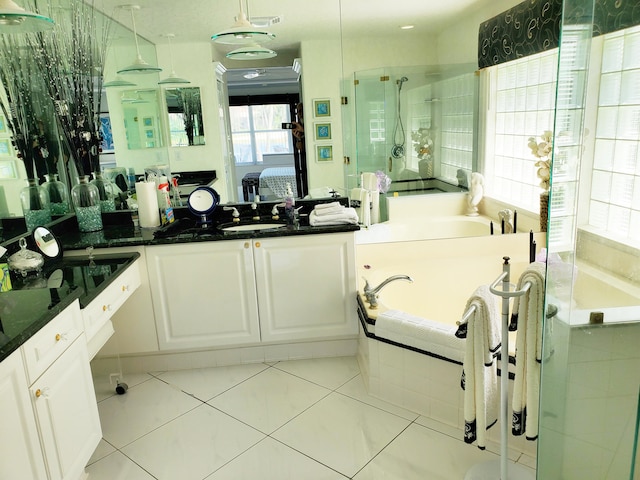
(310, 419)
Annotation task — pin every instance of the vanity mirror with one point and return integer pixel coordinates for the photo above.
(142, 122)
(184, 110)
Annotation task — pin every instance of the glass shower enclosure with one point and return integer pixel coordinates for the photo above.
(418, 125)
(591, 364)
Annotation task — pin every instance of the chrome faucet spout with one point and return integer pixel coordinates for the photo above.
(371, 294)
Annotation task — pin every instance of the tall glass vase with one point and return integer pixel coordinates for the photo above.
(105, 191)
(58, 194)
(86, 202)
(35, 204)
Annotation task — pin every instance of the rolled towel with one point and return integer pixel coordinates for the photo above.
(347, 217)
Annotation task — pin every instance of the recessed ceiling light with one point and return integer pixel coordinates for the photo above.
(407, 27)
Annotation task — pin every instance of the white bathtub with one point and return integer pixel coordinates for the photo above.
(426, 228)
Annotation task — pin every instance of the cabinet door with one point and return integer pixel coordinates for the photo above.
(20, 452)
(67, 413)
(306, 287)
(204, 294)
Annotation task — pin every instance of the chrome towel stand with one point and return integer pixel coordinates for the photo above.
(494, 469)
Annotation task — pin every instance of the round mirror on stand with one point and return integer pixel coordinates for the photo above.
(202, 202)
(46, 242)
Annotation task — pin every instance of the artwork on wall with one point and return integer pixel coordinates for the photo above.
(6, 149)
(323, 131)
(322, 108)
(147, 121)
(106, 144)
(324, 153)
(3, 125)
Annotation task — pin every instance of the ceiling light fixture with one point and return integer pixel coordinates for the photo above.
(172, 78)
(255, 74)
(251, 52)
(118, 82)
(242, 32)
(138, 65)
(15, 19)
(407, 27)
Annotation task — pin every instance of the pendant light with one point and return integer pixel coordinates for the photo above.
(15, 19)
(118, 82)
(138, 65)
(172, 78)
(242, 32)
(251, 52)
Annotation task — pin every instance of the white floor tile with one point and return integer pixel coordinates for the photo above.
(421, 453)
(331, 372)
(117, 467)
(271, 460)
(355, 388)
(105, 389)
(102, 450)
(193, 445)
(341, 432)
(269, 400)
(206, 383)
(143, 408)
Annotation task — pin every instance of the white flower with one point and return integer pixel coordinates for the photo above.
(542, 150)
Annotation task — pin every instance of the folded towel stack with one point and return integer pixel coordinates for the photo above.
(332, 214)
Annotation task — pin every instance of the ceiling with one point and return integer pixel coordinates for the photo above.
(296, 20)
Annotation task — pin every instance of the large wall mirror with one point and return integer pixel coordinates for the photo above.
(142, 119)
(184, 109)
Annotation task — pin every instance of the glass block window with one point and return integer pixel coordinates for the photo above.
(615, 182)
(522, 106)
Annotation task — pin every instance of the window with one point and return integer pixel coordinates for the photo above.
(615, 183)
(523, 93)
(257, 130)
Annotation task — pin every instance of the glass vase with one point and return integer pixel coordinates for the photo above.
(35, 204)
(105, 191)
(58, 194)
(86, 202)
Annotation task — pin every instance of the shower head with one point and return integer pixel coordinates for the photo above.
(401, 81)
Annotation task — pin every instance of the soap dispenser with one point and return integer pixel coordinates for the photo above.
(289, 205)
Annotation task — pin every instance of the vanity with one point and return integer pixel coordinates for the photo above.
(52, 324)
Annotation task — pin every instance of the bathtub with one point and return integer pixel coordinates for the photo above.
(425, 228)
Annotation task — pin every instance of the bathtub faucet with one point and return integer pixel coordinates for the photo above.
(371, 294)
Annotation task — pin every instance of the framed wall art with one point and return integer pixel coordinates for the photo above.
(323, 131)
(324, 153)
(322, 108)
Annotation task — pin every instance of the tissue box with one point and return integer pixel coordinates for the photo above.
(5, 279)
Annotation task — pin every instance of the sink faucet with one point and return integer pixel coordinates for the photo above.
(234, 213)
(371, 294)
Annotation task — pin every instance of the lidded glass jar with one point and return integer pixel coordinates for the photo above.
(86, 202)
(35, 204)
(58, 194)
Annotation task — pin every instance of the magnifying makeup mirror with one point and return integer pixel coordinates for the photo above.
(46, 242)
(202, 202)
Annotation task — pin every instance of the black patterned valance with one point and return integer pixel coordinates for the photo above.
(533, 26)
(530, 27)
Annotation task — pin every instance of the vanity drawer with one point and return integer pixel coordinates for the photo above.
(43, 348)
(101, 308)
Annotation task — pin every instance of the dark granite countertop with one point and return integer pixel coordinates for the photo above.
(33, 302)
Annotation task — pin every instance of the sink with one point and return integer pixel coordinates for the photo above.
(250, 227)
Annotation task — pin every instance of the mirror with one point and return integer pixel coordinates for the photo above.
(185, 116)
(142, 121)
(46, 242)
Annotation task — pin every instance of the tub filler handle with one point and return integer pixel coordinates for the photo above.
(371, 294)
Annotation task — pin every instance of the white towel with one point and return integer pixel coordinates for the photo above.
(528, 309)
(328, 209)
(362, 198)
(347, 217)
(479, 375)
(427, 335)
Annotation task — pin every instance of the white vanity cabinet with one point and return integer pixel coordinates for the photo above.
(239, 292)
(204, 294)
(306, 287)
(20, 451)
(51, 425)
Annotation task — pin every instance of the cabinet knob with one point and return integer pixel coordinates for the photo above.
(257, 244)
(246, 244)
(106, 307)
(58, 337)
(38, 393)
(42, 393)
(125, 288)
